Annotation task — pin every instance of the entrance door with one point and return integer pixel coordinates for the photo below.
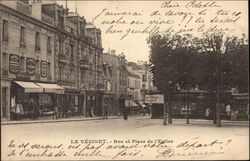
(4, 102)
(81, 105)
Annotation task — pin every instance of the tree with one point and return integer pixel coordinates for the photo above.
(224, 58)
(171, 62)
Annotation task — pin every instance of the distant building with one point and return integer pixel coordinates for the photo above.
(134, 84)
(141, 68)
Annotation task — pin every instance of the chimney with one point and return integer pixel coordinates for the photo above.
(37, 9)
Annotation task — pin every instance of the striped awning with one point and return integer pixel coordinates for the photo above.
(30, 87)
(51, 88)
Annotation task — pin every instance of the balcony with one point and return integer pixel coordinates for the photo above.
(99, 68)
(84, 63)
(49, 51)
(100, 86)
(62, 58)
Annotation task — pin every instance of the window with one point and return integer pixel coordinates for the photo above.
(61, 47)
(22, 64)
(72, 51)
(144, 79)
(82, 76)
(37, 42)
(5, 61)
(49, 64)
(49, 46)
(105, 70)
(5, 31)
(22, 36)
(110, 71)
(60, 72)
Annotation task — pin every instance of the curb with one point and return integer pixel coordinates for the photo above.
(53, 121)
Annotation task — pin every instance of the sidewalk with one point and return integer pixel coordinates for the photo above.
(49, 120)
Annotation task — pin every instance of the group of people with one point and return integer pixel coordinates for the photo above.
(231, 114)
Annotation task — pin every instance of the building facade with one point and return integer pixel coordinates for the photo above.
(110, 71)
(27, 59)
(54, 51)
(141, 68)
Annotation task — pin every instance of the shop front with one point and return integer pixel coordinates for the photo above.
(94, 103)
(69, 103)
(21, 95)
(108, 101)
(25, 96)
(82, 103)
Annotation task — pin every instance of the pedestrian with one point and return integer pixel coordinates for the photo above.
(55, 112)
(125, 113)
(228, 111)
(105, 116)
(207, 112)
(91, 109)
(18, 112)
(35, 107)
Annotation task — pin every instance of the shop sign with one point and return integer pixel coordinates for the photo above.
(14, 63)
(30, 66)
(154, 99)
(43, 68)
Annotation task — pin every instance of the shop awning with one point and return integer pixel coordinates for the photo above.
(51, 88)
(30, 87)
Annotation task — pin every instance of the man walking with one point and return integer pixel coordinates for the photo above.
(125, 113)
(35, 109)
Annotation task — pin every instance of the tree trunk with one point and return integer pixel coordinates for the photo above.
(188, 105)
(218, 91)
(218, 119)
(169, 109)
(214, 113)
(164, 111)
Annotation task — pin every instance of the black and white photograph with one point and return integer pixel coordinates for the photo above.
(124, 80)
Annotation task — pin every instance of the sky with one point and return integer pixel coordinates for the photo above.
(135, 46)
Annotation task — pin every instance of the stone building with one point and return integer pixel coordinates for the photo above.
(27, 43)
(95, 71)
(141, 68)
(110, 78)
(54, 51)
(122, 82)
(134, 86)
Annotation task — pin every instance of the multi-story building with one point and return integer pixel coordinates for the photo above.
(27, 43)
(141, 68)
(68, 30)
(47, 49)
(110, 71)
(134, 84)
(122, 82)
(96, 87)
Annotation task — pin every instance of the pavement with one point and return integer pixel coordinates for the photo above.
(83, 118)
(51, 120)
